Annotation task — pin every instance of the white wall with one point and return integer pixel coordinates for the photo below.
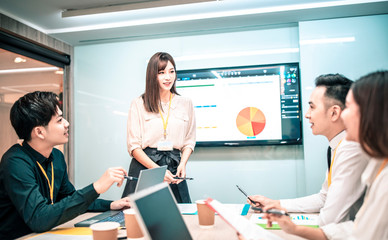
(355, 47)
(108, 76)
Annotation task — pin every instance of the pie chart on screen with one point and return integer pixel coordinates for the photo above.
(250, 121)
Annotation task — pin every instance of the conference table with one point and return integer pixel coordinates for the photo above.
(220, 231)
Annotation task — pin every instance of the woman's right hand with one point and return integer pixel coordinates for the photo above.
(284, 221)
(169, 177)
(262, 201)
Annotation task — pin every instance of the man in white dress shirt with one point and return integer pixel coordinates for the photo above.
(342, 191)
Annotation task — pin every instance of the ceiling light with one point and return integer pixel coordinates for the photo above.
(127, 7)
(24, 70)
(327, 40)
(236, 54)
(19, 60)
(208, 15)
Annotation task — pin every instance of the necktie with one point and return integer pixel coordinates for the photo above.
(328, 158)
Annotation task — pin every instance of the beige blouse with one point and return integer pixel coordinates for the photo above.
(145, 129)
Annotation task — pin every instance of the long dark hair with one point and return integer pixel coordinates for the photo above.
(371, 94)
(151, 96)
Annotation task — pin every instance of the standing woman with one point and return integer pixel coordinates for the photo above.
(365, 118)
(161, 128)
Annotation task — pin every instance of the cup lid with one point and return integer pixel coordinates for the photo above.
(129, 211)
(104, 226)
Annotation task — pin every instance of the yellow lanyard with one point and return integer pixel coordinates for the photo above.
(331, 165)
(51, 186)
(382, 167)
(166, 122)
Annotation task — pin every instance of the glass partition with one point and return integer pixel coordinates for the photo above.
(18, 76)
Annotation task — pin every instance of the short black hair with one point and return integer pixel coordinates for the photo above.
(31, 110)
(337, 87)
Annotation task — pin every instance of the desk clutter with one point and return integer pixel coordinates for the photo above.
(190, 210)
(155, 214)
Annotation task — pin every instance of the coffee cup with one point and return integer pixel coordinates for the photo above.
(205, 215)
(133, 229)
(105, 230)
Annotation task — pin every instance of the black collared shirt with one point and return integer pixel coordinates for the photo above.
(25, 204)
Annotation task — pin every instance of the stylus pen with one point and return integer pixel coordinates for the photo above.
(246, 195)
(185, 178)
(130, 178)
(271, 211)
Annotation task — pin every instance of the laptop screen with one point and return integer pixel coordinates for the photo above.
(159, 214)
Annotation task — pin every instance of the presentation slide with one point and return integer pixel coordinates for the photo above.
(235, 108)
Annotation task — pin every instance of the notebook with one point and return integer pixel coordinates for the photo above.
(158, 214)
(147, 178)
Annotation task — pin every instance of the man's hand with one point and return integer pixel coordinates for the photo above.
(120, 204)
(112, 175)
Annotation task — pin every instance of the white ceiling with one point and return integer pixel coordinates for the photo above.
(175, 20)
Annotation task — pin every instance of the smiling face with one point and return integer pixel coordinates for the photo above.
(351, 118)
(318, 114)
(166, 77)
(57, 130)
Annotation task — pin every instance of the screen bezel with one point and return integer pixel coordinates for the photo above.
(144, 193)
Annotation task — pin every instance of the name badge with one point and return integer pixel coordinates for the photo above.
(165, 145)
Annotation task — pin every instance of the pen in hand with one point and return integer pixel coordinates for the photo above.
(250, 199)
(271, 211)
(246, 195)
(130, 178)
(184, 178)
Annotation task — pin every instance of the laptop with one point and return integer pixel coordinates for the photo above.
(147, 178)
(158, 214)
(150, 177)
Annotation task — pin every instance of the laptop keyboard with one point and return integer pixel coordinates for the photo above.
(119, 217)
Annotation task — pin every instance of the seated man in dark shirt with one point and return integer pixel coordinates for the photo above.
(35, 192)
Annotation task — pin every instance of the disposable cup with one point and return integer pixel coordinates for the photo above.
(205, 215)
(133, 229)
(105, 230)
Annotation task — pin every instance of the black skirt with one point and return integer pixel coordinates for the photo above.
(169, 158)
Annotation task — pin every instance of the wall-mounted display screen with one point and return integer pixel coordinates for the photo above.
(246, 105)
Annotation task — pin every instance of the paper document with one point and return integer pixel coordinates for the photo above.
(242, 225)
(191, 209)
(309, 220)
(241, 209)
